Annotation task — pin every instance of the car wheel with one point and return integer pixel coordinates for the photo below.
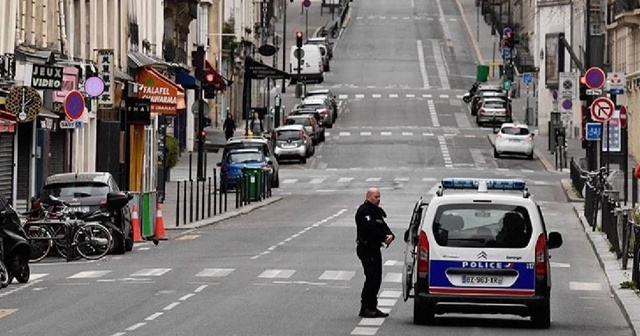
(275, 183)
(118, 243)
(322, 137)
(495, 153)
(328, 67)
(422, 313)
(128, 242)
(530, 156)
(303, 160)
(478, 121)
(541, 315)
(4, 275)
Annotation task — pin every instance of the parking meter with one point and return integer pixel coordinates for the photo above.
(560, 135)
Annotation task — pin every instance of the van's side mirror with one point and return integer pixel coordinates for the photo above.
(554, 240)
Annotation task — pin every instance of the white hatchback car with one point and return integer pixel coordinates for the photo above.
(479, 252)
(514, 139)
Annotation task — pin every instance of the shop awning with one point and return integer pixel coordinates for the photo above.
(140, 60)
(7, 122)
(186, 79)
(166, 96)
(219, 81)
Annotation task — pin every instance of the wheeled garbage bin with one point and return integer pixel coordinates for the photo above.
(253, 182)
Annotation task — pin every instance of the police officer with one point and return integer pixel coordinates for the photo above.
(372, 232)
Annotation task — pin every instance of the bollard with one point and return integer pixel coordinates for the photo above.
(190, 164)
(237, 191)
(225, 202)
(178, 206)
(209, 199)
(191, 201)
(197, 198)
(215, 192)
(184, 204)
(203, 185)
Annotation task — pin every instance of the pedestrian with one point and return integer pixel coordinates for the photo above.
(372, 234)
(256, 125)
(229, 126)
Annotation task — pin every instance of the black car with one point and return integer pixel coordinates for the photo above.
(85, 193)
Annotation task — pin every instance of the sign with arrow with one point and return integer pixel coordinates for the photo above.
(602, 109)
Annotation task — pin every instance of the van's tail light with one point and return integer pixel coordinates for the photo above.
(481, 111)
(224, 168)
(264, 166)
(423, 252)
(541, 255)
(530, 137)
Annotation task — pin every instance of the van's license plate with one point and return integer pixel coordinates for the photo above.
(481, 280)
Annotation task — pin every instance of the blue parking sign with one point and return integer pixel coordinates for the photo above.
(593, 131)
(506, 53)
(527, 78)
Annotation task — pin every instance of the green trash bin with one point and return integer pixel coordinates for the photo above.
(482, 73)
(253, 180)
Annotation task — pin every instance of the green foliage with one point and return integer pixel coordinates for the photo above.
(173, 151)
(229, 43)
(627, 285)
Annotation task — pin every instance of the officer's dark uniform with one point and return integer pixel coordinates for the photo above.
(372, 232)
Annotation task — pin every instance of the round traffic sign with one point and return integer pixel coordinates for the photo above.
(623, 116)
(94, 86)
(602, 109)
(567, 104)
(74, 104)
(306, 3)
(594, 78)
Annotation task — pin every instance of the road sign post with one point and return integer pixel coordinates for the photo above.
(594, 79)
(602, 109)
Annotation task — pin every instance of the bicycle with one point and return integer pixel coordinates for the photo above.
(598, 181)
(62, 228)
(628, 237)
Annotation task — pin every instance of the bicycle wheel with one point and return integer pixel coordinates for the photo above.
(60, 244)
(92, 241)
(39, 247)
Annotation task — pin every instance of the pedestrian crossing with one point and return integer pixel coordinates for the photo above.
(329, 134)
(416, 92)
(395, 18)
(391, 274)
(396, 95)
(284, 181)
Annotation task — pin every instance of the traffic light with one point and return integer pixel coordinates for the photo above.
(209, 87)
(583, 89)
(197, 61)
(509, 42)
(299, 39)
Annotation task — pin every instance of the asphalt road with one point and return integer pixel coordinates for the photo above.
(290, 268)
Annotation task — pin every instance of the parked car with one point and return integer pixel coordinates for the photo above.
(309, 122)
(293, 142)
(311, 67)
(262, 143)
(481, 92)
(85, 193)
(493, 110)
(514, 139)
(236, 160)
(325, 42)
(325, 93)
(319, 118)
(487, 94)
(322, 105)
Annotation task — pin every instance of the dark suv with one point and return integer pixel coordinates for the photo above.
(85, 193)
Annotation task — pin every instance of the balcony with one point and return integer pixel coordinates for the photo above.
(174, 54)
(625, 13)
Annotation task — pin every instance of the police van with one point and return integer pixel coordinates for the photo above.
(479, 252)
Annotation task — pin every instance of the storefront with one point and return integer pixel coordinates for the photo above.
(7, 132)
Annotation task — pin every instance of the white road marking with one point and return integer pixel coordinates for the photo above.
(345, 179)
(445, 96)
(171, 306)
(429, 179)
(407, 133)
(136, 326)
(186, 297)
(343, 96)
(432, 112)
(373, 179)
(392, 277)
(445, 152)
(584, 286)
(215, 272)
(393, 95)
(463, 121)
(558, 264)
(371, 322)
(393, 263)
(364, 331)
(387, 302)
(280, 274)
(343, 134)
(359, 96)
(151, 272)
(391, 294)
(153, 316)
(427, 95)
(316, 180)
(376, 95)
(410, 96)
(337, 275)
(423, 66)
(440, 64)
(365, 133)
(428, 134)
(478, 158)
(291, 181)
(385, 133)
(401, 179)
(89, 274)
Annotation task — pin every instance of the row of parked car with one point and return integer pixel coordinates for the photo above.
(311, 61)
(490, 104)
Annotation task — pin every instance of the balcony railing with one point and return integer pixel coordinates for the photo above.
(621, 6)
(175, 54)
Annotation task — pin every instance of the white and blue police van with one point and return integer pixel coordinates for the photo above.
(479, 252)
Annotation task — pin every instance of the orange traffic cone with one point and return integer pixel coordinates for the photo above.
(159, 232)
(135, 222)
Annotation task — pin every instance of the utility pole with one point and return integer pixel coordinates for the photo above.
(284, 46)
(198, 62)
(590, 146)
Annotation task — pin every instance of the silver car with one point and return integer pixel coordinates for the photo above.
(493, 109)
(293, 142)
(320, 104)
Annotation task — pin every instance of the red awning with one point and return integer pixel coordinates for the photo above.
(219, 81)
(7, 122)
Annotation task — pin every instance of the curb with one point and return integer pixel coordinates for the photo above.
(613, 288)
(570, 192)
(186, 229)
(476, 49)
(537, 153)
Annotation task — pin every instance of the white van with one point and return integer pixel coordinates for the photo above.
(312, 67)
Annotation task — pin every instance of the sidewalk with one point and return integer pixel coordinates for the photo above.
(627, 299)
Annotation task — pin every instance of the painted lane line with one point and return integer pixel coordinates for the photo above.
(432, 113)
(423, 66)
(136, 326)
(200, 289)
(445, 151)
(171, 306)
(186, 297)
(153, 316)
(440, 64)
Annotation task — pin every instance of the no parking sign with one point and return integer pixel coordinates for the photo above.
(74, 104)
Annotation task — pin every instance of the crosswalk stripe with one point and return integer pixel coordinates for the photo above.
(89, 274)
(392, 277)
(376, 95)
(401, 179)
(344, 134)
(426, 95)
(407, 133)
(345, 179)
(288, 181)
(373, 179)
(275, 273)
(337, 275)
(444, 96)
(365, 133)
(316, 180)
(151, 272)
(327, 134)
(343, 96)
(411, 96)
(359, 96)
(385, 133)
(215, 272)
(429, 179)
(393, 95)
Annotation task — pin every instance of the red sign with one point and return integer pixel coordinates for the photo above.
(74, 104)
(602, 109)
(623, 116)
(594, 78)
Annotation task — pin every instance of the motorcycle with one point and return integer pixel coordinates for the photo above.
(15, 247)
(469, 95)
